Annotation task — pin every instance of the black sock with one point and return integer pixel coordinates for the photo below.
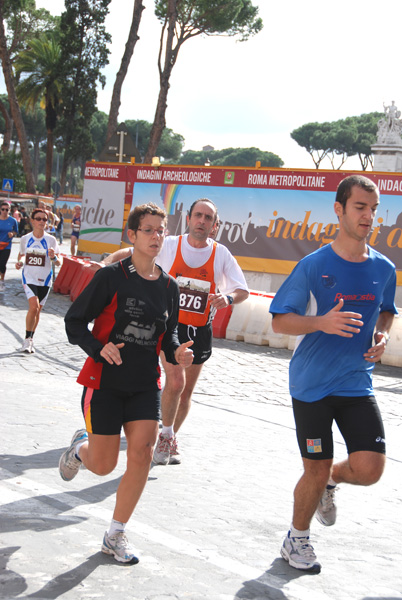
(29, 334)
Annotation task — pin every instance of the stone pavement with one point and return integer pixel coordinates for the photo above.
(208, 529)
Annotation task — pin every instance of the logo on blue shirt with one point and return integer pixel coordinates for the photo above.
(328, 281)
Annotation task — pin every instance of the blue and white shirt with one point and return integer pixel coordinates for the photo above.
(37, 268)
(324, 364)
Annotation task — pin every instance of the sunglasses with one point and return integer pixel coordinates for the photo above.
(5, 210)
(40, 219)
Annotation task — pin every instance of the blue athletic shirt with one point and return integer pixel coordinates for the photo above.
(324, 364)
(7, 225)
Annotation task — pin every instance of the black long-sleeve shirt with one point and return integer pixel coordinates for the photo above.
(127, 309)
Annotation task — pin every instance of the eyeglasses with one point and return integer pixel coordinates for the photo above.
(40, 219)
(5, 210)
(150, 231)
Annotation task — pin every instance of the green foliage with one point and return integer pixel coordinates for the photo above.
(214, 17)
(98, 130)
(345, 138)
(235, 157)
(366, 126)
(35, 124)
(83, 40)
(24, 23)
(4, 100)
(40, 63)
(11, 168)
(170, 146)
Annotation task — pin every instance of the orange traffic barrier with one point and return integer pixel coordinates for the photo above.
(68, 270)
(84, 276)
(61, 274)
(221, 321)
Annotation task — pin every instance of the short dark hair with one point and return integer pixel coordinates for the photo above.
(5, 203)
(203, 200)
(139, 212)
(38, 210)
(345, 187)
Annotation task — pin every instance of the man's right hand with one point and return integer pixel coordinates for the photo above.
(338, 322)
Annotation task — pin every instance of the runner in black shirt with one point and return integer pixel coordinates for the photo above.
(135, 307)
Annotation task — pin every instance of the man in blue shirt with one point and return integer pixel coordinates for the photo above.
(339, 301)
(8, 230)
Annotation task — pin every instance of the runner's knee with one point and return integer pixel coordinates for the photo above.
(140, 456)
(175, 383)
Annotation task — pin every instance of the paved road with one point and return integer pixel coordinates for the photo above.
(208, 529)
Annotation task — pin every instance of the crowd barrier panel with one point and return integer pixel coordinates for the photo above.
(238, 321)
(257, 326)
(220, 322)
(61, 274)
(68, 271)
(251, 322)
(276, 340)
(393, 351)
(84, 276)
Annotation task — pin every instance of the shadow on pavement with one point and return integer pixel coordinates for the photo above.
(27, 514)
(70, 579)
(268, 585)
(11, 583)
(18, 465)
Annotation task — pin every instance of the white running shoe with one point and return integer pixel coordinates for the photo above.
(2, 286)
(174, 458)
(299, 553)
(119, 546)
(162, 450)
(69, 464)
(27, 346)
(326, 509)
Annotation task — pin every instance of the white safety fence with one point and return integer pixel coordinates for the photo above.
(251, 322)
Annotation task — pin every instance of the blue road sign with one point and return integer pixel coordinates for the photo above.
(8, 185)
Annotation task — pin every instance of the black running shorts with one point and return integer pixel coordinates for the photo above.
(358, 419)
(202, 337)
(40, 291)
(105, 411)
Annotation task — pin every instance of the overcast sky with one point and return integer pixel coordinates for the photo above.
(314, 60)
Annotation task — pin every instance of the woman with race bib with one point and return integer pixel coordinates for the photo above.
(39, 250)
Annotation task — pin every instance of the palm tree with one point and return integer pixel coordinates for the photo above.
(41, 64)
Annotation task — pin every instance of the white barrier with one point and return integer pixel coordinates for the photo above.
(238, 321)
(393, 351)
(259, 321)
(251, 322)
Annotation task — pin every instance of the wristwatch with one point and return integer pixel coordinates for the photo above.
(230, 299)
(385, 334)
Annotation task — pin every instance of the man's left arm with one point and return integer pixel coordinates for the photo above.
(231, 282)
(222, 300)
(381, 336)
